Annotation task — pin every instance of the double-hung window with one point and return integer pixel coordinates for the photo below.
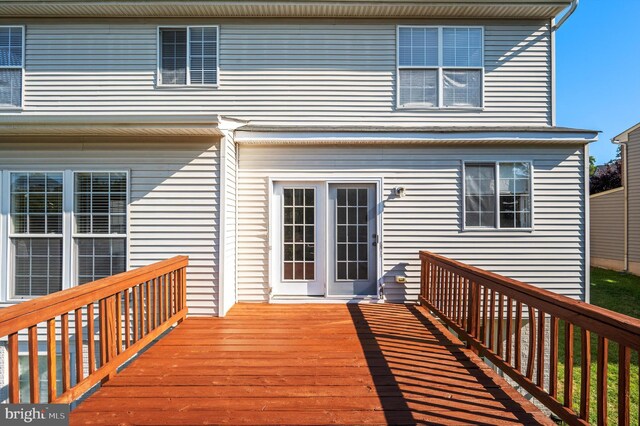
(188, 56)
(11, 66)
(36, 232)
(100, 208)
(440, 67)
(64, 227)
(498, 195)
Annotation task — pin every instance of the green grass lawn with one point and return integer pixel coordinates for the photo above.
(621, 293)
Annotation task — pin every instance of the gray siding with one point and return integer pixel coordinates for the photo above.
(174, 200)
(283, 72)
(633, 186)
(607, 225)
(429, 217)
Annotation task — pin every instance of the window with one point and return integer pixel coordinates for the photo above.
(11, 65)
(510, 198)
(440, 67)
(64, 227)
(36, 233)
(100, 209)
(43, 376)
(188, 56)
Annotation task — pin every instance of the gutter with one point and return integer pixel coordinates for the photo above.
(574, 6)
(625, 173)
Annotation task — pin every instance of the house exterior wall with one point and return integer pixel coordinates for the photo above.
(228, 225)
(174, 199)
(551, 256)
(633, 186)
(277, 72)
(607, 229)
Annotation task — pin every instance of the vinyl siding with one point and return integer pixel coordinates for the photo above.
(174, 201)
(278, 72)
(429, 217)
(633, 186)
(607, 226)
(228, 228)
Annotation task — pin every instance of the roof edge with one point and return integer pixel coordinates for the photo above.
(624, 136)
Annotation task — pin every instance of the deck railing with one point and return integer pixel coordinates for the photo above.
(533, 335)
(121, 314)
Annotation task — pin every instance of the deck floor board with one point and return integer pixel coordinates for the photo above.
(308, 364)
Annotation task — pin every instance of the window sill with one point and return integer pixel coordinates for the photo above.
(426, 108)
(483, 230)
(186, 86)
(11, 109)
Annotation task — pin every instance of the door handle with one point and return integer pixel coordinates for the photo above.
(376, 239)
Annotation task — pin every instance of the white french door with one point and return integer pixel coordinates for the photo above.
(324, 239)
(298, 239)
(352, 240)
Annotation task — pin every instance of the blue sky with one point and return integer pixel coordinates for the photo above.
(598, 70)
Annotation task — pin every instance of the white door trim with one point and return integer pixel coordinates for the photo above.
(272, 257)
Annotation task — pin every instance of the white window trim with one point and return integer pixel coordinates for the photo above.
(69, 263)
(496, 226)
(14, 67)
(160, 84)
(440, 69)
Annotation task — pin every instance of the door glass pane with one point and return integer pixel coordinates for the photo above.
(298, 230)
(352, 234)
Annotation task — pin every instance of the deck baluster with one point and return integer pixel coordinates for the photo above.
(568, 365)
(553, 354)
(34, 376)
(79, 342)
(52, 385)
(602, 371)
(585, 365)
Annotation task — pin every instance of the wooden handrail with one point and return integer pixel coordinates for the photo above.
(133, 308)
(491, 312)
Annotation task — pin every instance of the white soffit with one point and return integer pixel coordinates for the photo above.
(110, 125)
(416, 137)
(537, 9)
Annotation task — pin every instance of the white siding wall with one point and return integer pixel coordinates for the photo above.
(174, 201)
(284, 72)
(429, 217)
(633, 186)
(228, 223)
(607, 229)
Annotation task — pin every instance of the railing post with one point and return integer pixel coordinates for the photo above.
(110, 332)
(474, 312)
(183, 288)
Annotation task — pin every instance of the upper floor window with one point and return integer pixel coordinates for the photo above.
(440, 67)
(11, 65)
(188, 56)
(497, 195)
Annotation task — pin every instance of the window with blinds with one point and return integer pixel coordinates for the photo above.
(440, 67)
(100, 209)
(11, 66)
(498, 195)
(188, 56)
(65, 227)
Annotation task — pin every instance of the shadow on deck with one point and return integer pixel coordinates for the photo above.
(308, 364)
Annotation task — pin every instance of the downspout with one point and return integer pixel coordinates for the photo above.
(574, 6)
(625, 174)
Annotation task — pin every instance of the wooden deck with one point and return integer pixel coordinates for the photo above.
(308, 364)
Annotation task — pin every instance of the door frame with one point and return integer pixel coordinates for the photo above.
(272, 255)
